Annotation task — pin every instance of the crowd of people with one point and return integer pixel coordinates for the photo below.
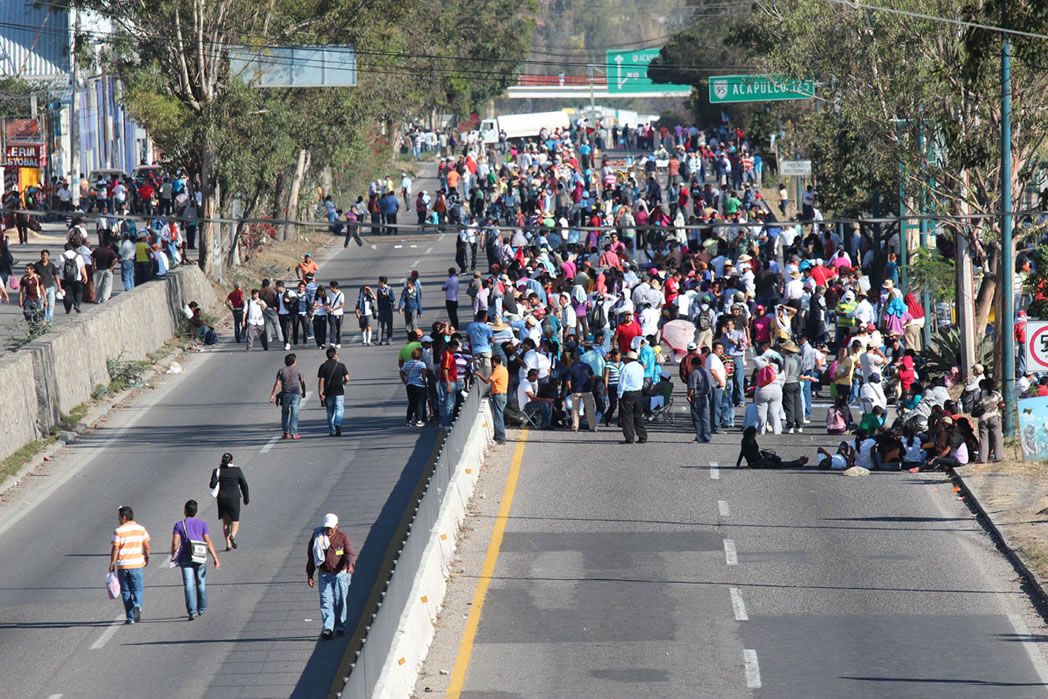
(586, 279)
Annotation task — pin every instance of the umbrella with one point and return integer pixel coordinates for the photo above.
(677, 334)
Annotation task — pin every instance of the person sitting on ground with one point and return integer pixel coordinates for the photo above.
(866, 451)
(201, 329)
(952, 454)
(840, 460)
(872, 421)
(758, 458)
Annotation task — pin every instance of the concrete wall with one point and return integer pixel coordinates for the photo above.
(416, 611)
(66, 364)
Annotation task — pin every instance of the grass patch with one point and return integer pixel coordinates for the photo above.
(23, 332)
(75, 416)
(14, 463)
(125, 374)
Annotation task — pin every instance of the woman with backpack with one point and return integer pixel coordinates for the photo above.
(768, 396)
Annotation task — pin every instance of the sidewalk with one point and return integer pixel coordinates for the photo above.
(1013, 496)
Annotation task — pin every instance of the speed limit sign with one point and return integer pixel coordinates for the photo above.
(1037, 345)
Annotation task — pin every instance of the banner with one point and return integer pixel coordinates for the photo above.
(24, 155)
(23, 130)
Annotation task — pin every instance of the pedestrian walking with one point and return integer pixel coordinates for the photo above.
(105, 259)
(255, 319)
(332, 377)
(336, 310)
(190, 546)
(700, 383)
(289, 390)
(499, 382)
(631, 400)
(411, 305)
(365, 311)
(31, 297)
(330, 562)
(386, 300)
(228, 485)
(128, 558)
(450, 287)
(235, 304)
(580, 384)
(413, 374)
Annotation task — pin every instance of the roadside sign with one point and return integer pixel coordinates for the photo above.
(795, 168)
(726, 89)
(1037, 345)
(628, 74)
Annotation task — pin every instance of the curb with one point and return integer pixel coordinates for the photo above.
(1029, 582)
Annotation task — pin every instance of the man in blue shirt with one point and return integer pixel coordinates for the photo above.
(631, 400)
(595, 360)
(480, 335)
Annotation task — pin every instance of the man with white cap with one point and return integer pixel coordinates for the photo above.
(331, 560)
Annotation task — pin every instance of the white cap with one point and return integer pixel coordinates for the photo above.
(692, 346)
(330, 520)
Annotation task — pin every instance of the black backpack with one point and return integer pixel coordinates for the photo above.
(598, 318)
(70, 273)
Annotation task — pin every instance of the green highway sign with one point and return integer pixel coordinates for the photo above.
(725, 89)
(628, 74)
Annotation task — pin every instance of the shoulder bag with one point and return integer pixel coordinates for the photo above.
(214, 491)
(197, 549)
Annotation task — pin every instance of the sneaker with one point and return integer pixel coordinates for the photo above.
(338, 346)
(233, 541)
(789, 431)
(286, 436)
(287, 345)
(338, 431)
(800, 430)
(807, 421)
(191, 617)
(327, 634)
(420, 423)
(138, 615)
(296, 436)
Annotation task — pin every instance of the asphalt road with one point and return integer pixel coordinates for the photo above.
(260, 635)
(642, 570)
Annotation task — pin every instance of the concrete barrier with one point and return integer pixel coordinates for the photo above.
(411, 604)
(65, 364)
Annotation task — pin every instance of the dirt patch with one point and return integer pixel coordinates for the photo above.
(1014, 494)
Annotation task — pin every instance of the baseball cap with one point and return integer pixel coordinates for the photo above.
(692, 346)
(330, 520)
(426, 338)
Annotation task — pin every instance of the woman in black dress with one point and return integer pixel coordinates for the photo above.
(231, 485)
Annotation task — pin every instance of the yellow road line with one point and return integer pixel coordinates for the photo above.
(465, 653)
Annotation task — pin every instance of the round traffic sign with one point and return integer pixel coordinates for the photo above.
(1038, 345)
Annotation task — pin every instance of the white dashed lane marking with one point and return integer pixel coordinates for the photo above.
(110, 631)
(722, 508)
(753, 669)
(269, 445)
(714, 470)
(730, 555)
(738, 605)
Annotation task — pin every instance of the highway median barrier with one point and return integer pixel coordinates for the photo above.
(397, 625)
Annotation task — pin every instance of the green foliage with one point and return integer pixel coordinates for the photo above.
(931, 272)
(125, 374)
(944, 353)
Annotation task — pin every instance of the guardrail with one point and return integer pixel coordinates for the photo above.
(376, 632)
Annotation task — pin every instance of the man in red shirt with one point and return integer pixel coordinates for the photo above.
(1020, 343)
(235, 303)
(448, 385)
(626, 331)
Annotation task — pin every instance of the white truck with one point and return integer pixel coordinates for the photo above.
(518, 126)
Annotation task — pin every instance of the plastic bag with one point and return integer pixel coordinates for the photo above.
(13, 282)
(112, 585)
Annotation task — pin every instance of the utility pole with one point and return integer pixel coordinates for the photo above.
(592, 121)
(74, 113)
(1006, 321)
(929, 311)
(965, 286)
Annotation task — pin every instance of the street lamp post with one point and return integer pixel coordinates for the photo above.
(1006, 321)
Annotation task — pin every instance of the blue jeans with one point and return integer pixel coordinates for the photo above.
(49, 312)
(334, 590)
(498, 415)
(447, 402)
(127, 274)
(195, 587)
(700, 417)
(335, 409)
(806, 396)
(289, 405)
(739, 378)
(716, 408)
(727, 411)
(131, 589)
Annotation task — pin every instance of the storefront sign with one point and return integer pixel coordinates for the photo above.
(24, 155)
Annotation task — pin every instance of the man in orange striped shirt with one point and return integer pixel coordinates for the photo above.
(128, 559)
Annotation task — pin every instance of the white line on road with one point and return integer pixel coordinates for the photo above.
(722, 508)
(397, 247)
(55, 696)
(738, 605)
(441, 237)
(415, 263)
(730, 555)
(429, 249)
(412, 246)
(753, 670)
(1031, 648)
(714, 470)
(108, 633)
(269, 445)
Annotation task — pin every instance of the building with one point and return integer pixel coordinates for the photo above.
(35, 40)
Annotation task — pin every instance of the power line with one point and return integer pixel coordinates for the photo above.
(935, 18)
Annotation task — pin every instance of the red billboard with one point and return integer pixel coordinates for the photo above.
(26, 130)
(24, 155)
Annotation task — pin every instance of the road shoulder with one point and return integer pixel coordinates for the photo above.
(435, 674)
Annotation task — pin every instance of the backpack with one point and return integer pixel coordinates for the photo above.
(703, 321)
(210, 338)
(70, 273)
(598, 317)
(835, 422)
(765, 375)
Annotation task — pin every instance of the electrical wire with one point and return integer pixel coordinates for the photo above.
(936, 18)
